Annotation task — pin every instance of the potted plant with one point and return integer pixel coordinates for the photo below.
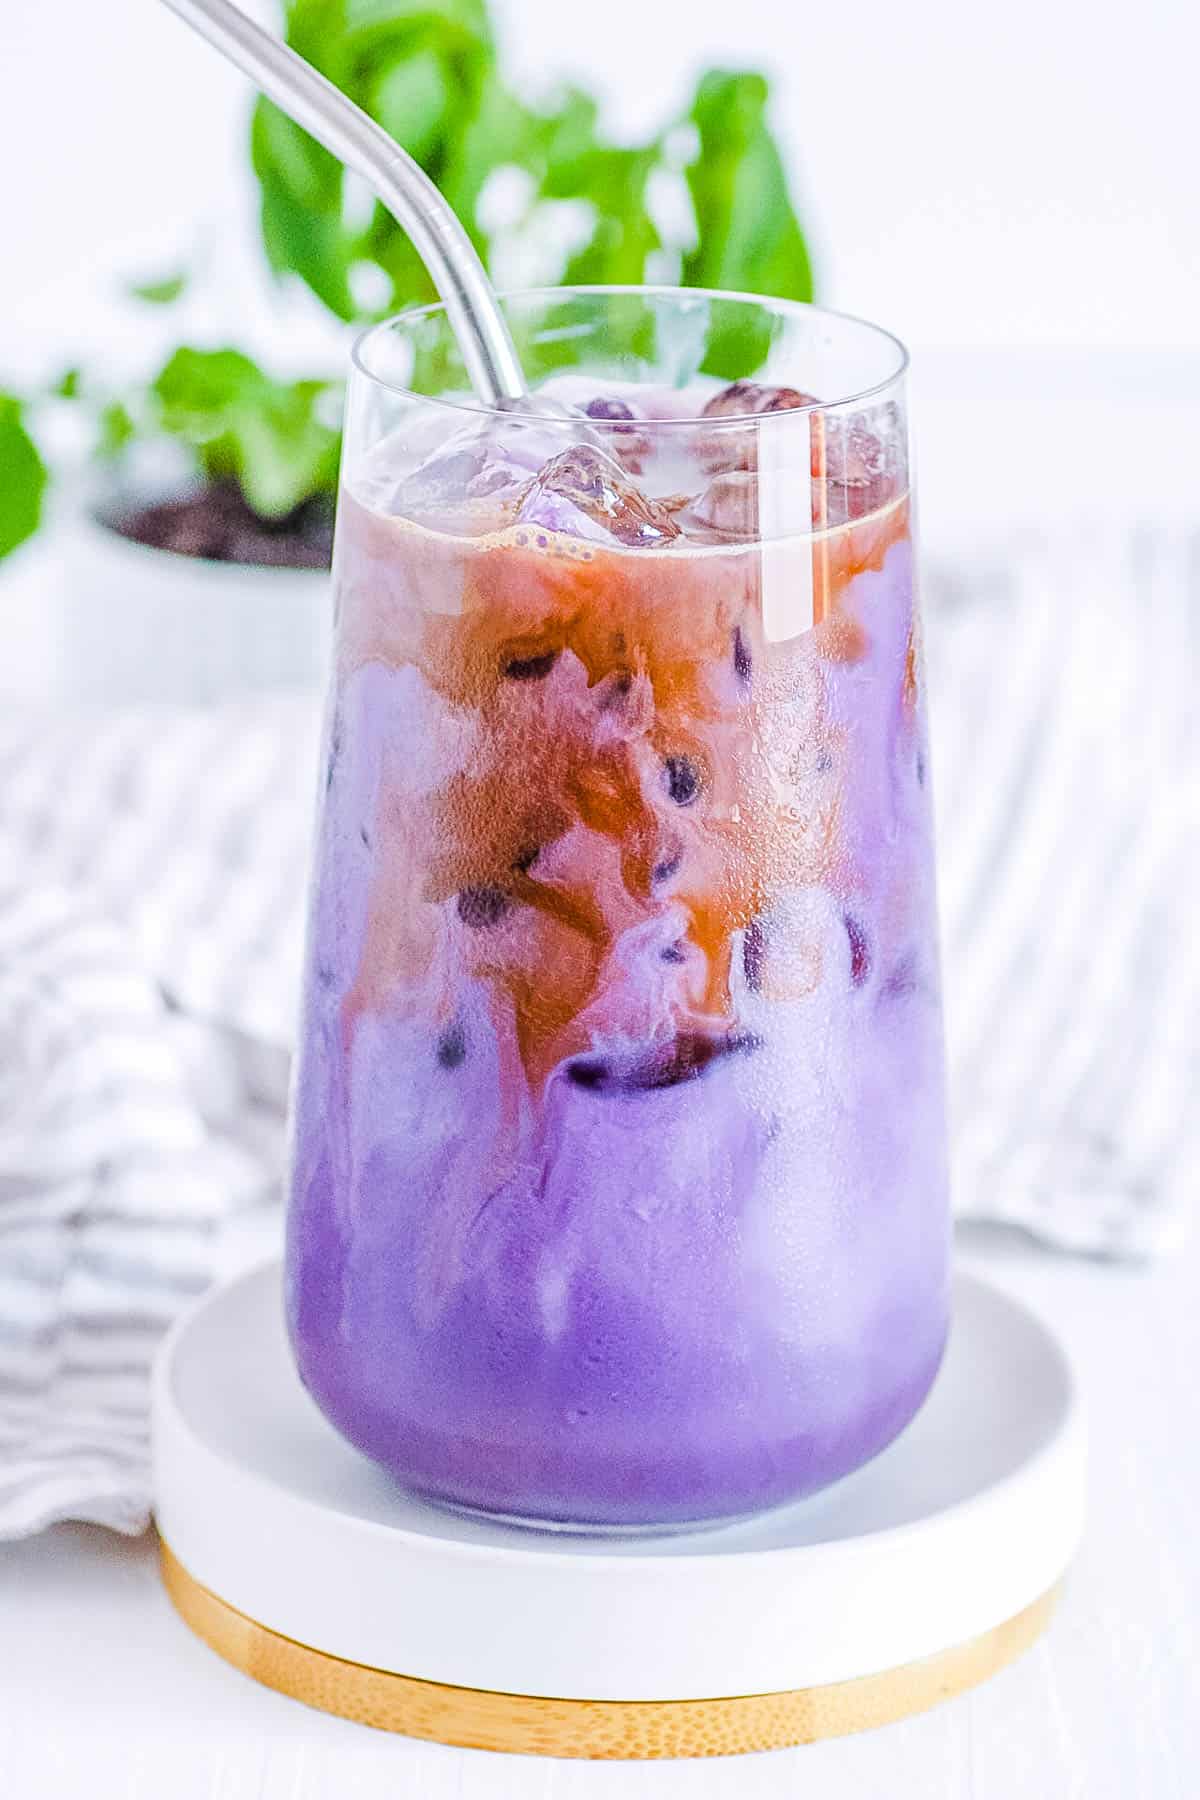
(209, 530)
(192, 565)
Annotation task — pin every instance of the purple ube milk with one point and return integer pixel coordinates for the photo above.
(618, 1192)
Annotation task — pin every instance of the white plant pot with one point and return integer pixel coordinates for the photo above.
(126, 624)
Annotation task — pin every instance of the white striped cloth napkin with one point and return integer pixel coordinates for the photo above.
(152, 870)
(110, 1194)
(1067, 776)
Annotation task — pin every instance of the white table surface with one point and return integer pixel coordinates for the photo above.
(104, 1695)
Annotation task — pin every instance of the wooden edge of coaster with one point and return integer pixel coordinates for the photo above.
(529, 1725)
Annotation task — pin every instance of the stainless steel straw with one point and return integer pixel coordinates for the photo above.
(404, 188)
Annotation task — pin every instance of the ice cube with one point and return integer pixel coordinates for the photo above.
(856, 463)
(685, 402)
(733, 445)
(584, 493)
(624, 434)
(861, 465)
(747, 399)
(486, 462)
(608, 407)
(445, 491)
(616, 406)
(727, 509)
(575, 390)
(645, 399)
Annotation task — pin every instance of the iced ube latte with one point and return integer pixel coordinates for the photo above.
(618, 1192)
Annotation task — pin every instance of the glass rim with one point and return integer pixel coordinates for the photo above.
(473, 408)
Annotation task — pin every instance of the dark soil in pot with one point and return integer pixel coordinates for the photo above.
(215, 524)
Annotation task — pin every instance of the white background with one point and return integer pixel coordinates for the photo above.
(1017, 177)
(1012, 174)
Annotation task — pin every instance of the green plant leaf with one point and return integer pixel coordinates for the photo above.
(195, 386)
(411, 100)
(115, 430)
(748, 236)
(301, 207)
(493, 131)
(319, 29)
(273, 438)
(161, 292)
(24, 483)
(748, 230)
(625, 234)
(67, 387)
(385, 244)
(569, 140)
(282, 451)
(428, 71)
(369, 23)
(418, 67)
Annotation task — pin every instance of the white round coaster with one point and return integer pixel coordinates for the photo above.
(968, 1520)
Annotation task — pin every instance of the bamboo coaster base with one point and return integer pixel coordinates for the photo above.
(913, 1580)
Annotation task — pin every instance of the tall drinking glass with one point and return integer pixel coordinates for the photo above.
(618, 1192)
